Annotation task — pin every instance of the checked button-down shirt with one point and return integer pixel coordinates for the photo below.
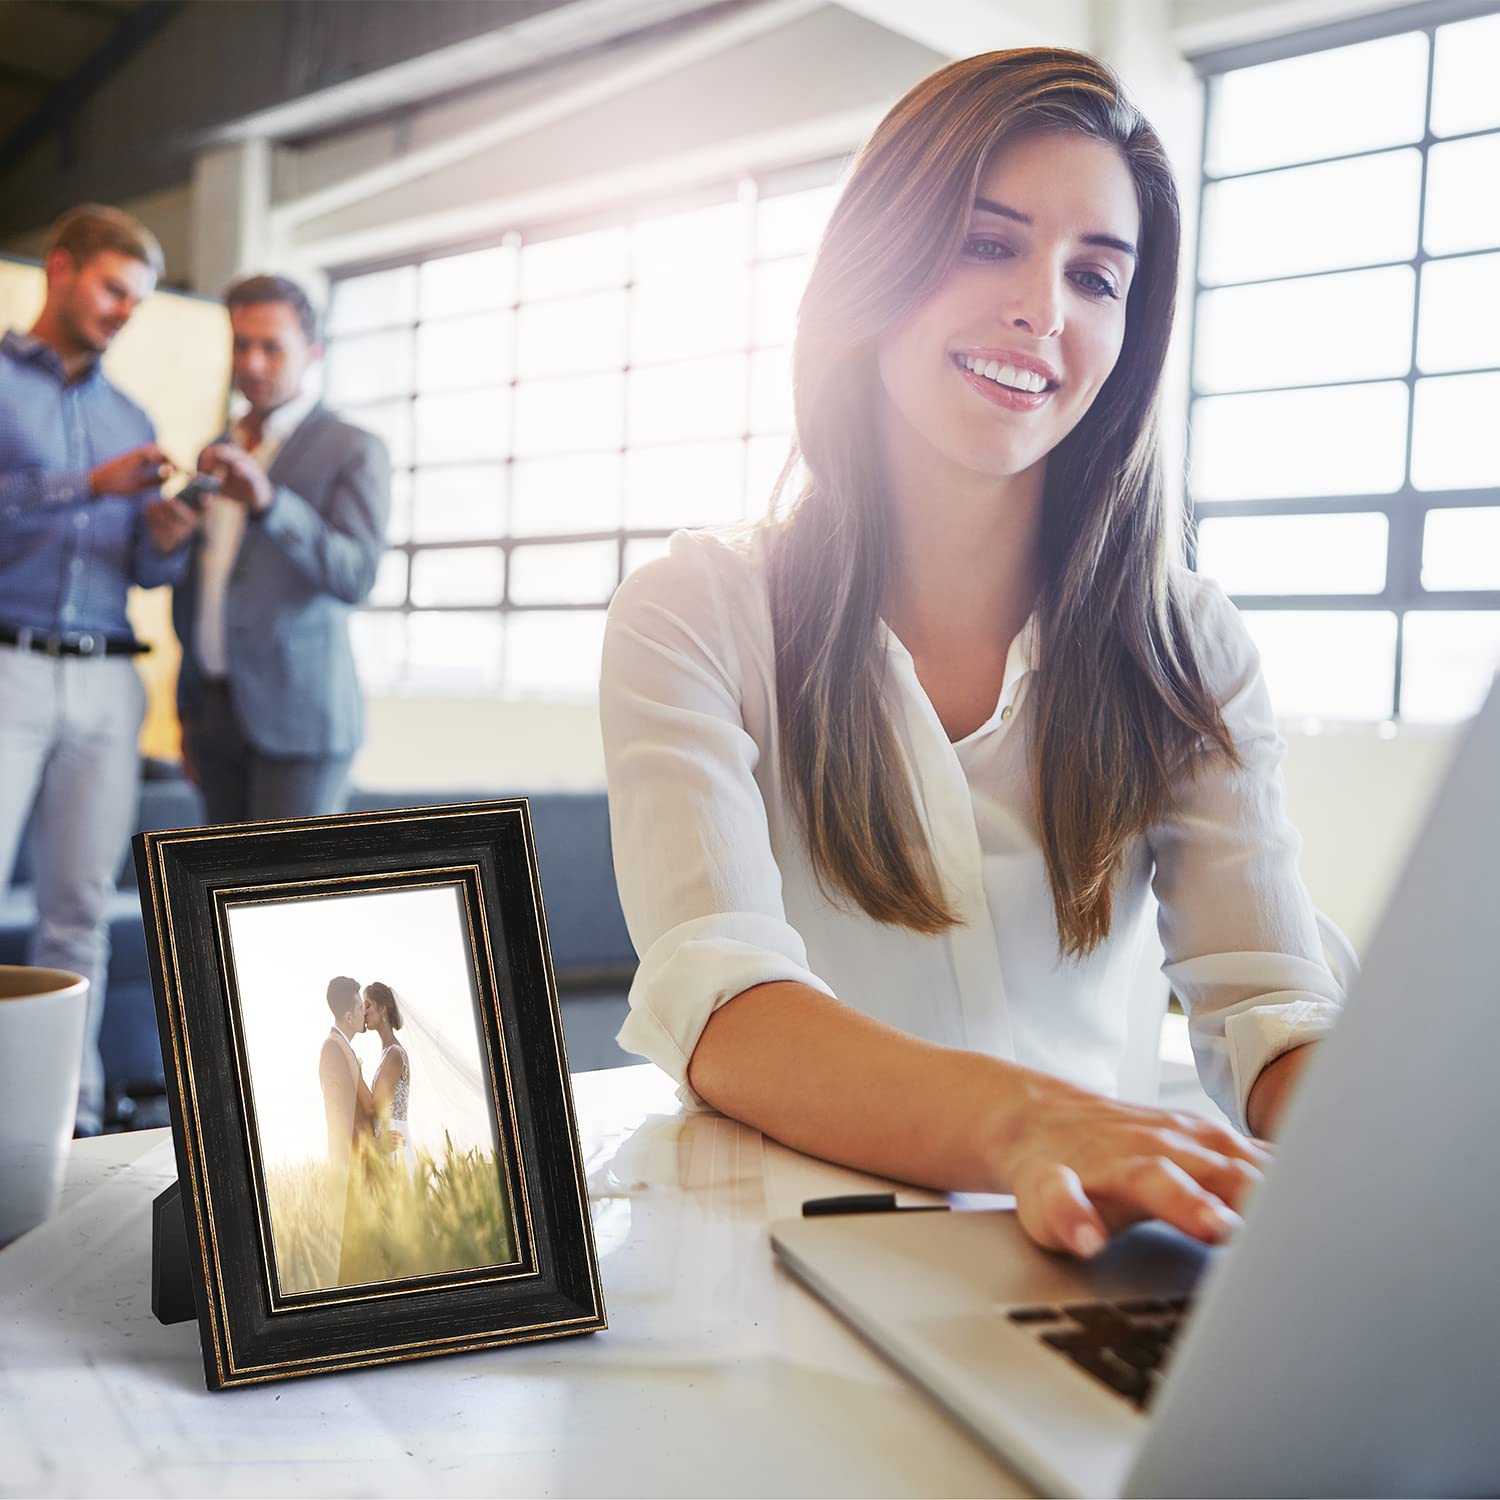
(67, 558)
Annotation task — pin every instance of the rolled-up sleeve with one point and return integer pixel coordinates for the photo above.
(697, 876)
(1240, 933)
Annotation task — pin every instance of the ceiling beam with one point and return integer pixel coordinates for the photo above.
(1271, 18)
(828, 135)
(18, 76)
(564, 31)
(707, 41)
(962, 28)
(64, 101)
(95, 10)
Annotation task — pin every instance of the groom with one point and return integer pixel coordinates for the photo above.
(346, 1097)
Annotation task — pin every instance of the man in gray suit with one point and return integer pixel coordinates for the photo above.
(270, 705)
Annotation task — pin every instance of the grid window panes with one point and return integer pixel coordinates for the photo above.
(1343, 465)
(556, 405)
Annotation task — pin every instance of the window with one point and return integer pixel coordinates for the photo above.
(556, 405)
(1344, 464)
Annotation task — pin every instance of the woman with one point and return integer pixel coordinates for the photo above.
(890, 778)
(390, 1089)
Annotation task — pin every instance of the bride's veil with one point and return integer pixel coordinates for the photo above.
(449, 1088)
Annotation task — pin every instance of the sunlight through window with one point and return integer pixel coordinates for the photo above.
(1346, 377)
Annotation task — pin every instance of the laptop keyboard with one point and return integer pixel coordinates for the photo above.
(1124, 1344)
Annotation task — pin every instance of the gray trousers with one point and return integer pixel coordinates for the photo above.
(241, 784)
(68, 732)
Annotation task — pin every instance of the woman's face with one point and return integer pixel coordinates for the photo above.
(1040, 288)
(373, 1014)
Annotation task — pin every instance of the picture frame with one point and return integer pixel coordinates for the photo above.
(456, 1217)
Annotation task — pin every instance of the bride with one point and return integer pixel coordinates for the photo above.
(390, 1089)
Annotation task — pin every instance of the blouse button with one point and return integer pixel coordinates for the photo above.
(1006, 712)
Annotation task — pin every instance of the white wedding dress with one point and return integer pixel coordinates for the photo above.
(400, 1106)
(450, 1079)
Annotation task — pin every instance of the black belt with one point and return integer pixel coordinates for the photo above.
(82, 644)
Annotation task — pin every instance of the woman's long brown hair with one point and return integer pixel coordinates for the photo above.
(1118, 707)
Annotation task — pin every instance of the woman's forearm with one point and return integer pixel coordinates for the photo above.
(1272, 1091)
(820, 1077)
(824, 1079)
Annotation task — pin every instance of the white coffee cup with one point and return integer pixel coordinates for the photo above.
(42, 1017)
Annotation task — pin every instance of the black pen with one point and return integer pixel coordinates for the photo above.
(866, 1203)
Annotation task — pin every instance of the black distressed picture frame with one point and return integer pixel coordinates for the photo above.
(251, 1330)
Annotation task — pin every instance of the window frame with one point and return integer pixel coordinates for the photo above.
(1406, 509)
(747, 191)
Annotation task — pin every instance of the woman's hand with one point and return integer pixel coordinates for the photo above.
(1083, 1166)
(809, 1072)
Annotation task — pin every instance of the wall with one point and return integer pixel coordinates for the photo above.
(1358, 800)
(480, 744)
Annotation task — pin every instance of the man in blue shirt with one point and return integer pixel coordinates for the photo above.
(81, 520)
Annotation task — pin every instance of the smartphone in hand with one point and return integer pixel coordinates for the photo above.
(198, 489)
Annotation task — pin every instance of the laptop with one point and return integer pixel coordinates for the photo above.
(1346, 1343)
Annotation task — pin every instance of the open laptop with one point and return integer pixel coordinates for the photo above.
(1348, 1343)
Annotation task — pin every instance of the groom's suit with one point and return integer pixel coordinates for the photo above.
(338, 1075)
(272, 732)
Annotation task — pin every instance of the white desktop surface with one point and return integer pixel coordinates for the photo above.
(718, 1375)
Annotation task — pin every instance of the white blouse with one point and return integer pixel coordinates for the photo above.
(720, 895)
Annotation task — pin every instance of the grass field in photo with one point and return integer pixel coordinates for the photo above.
(385, 1225)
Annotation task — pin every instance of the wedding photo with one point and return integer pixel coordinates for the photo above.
(370, 1086)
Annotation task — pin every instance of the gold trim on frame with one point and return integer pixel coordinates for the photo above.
(515, 1180)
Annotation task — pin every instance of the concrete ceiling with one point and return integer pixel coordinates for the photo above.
(44, 44)
(88, 109)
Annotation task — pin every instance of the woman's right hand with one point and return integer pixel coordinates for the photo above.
(1083, 1167)
(809, 1072)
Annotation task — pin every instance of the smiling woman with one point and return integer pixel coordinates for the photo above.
(1072, 285)
(893, 776)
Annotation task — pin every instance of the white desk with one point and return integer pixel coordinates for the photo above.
(718, 1375)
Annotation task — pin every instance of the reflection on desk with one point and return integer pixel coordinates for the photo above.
(717, 1375)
